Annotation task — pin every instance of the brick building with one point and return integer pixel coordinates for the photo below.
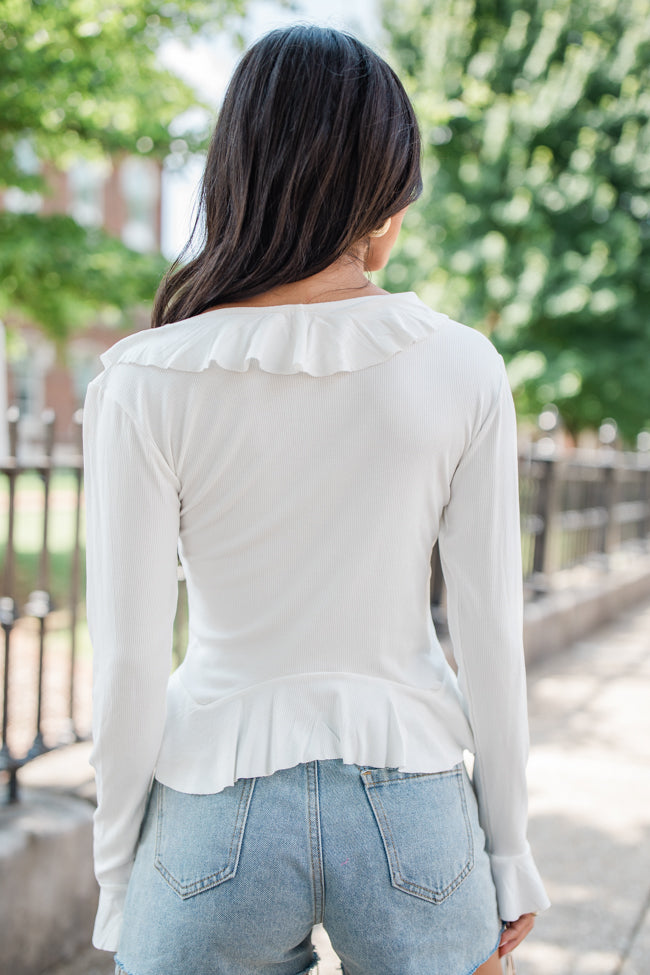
(124, 197)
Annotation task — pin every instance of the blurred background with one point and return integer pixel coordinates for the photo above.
(533, 227)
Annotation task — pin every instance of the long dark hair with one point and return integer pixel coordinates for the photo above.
(316, 145)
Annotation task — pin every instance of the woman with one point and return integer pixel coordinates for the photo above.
(303, 438)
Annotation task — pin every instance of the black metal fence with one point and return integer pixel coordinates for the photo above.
(580, 506)
(37, 604)
(574, 508)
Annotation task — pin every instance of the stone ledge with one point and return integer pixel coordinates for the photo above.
(48, 894)
(584, 599)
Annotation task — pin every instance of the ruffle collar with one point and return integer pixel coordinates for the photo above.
(319, 339)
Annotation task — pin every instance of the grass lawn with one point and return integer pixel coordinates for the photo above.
(28, 544)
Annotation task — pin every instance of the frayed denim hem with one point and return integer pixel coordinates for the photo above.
(489, 954)
(120, 970)
(313, 967)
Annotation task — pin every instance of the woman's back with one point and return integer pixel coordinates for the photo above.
(308, 500)
(303, 456)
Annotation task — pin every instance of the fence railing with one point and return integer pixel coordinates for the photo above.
(38, 603)
(582, 505)
(575, 507)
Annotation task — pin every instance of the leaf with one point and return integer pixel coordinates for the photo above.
(534, 224)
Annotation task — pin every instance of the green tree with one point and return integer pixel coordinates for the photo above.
(81, 78)
(535, 222)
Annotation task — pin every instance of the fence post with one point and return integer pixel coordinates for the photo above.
(644, 522)
(73, 734)
(8, 763)
(39, 603)
(609, 494)
(8, 609)
(544, 510)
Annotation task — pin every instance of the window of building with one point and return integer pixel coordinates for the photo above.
(86, 180)
(139, 181)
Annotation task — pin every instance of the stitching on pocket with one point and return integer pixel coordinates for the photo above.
(191, 888)
(373, 784)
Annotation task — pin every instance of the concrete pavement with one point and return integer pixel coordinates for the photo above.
(589, 775)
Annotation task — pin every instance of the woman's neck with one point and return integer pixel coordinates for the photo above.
(342, 280)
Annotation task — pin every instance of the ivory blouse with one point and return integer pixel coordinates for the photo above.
(302, 460)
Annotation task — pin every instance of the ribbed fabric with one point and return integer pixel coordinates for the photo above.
(304, 470)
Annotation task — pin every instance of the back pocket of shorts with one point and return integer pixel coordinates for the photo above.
(199, 838)
(425, 829)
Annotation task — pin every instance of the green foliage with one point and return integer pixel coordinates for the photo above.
(535, 221)
(60, 275)
(81, 78)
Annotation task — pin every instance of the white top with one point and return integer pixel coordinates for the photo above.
(303, 459)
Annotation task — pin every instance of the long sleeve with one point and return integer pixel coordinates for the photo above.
(480, 551)
(132, 513)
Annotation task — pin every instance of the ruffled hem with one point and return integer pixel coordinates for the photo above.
(518, 885)
(283, 722)
(319, 339)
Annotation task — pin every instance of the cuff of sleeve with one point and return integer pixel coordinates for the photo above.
(108, 922)
(519, 886)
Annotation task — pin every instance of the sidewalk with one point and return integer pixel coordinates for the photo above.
(589, 775)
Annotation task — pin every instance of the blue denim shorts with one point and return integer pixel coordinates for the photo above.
(391, 863)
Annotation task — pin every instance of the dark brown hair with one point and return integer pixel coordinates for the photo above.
(315, 146)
